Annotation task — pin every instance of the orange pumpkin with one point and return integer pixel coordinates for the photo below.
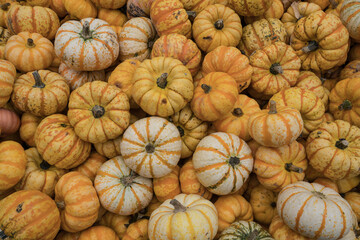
(58, 7)
(168, 186)
(109, 149)
(109, 4)
(137, 230)
(280, 231)
(80, 9)
(250, 7)
(263, 203)
(327, 182)
(116, 222)
(9, 122)
(112, 16)
(351, 70)
(29, 123)
(4, 8)
(91, 165)
(63, 235)
(347, 184)
(354, 52)
(98, 233)
(7, 79)
(276, 10)
(353, 199)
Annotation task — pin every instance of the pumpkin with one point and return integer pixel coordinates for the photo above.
(58, 144)
(98, 233)
(232, 208)
(109, 149)
(29, 214)
(167, 186)
(331, 219)
(29, 51)
(39, 175)
(4, 8)
(214, 96)
(117, 30)
(250, 7)
(63, 235)
(196, 6)
(58, 7)
(276, 67)
(322, 3)
(162, 86)
(4, 37)
(349, 16)
(151, 147)
(263, 203)
(347, 184)
(136, 38)
(129, 192)
(231, 61)
(80, 9)
(288, 164)
(184, 217)
(351, 70)
(138, 8)
(320, 49)
(189, 183)
(327, 182)
(276, 10)
(354, 52)
(116, 222)
(36, 19)
(276, 127)
(334, 7)
(236, 121)
(217, 25)
(12, 164)
(222, 162)
(169, 16)
(7, 79)
(76, 79)
(98, 111)
(179, 47)
(112, 16)
(353, 199)
(280, 231)
(90, 167)
(77, 201)
(191, 130)
(9, 122)
(245, 230)
(109, 4)
(29, 123)
(262, 33)
(40, 93)
(137, 230)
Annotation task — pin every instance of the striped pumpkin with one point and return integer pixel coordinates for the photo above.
(58, 7)
(91, 165)
(245, 230)
(29, 214)
(280, 231)
(7, 79)
(4, 8)
(349, 14)
(116, 222)
(250, 7)
(98, 233)
(87, 45)
(168, 186)
(109, 149)
(77, 201)
(151, 147)
(222, 162)
(327, 182)
(120, 190)
(29, 123)
(197, 5)
(276, 10)
(314, 211)
(12, 164)
(76, 79)
(136, 37)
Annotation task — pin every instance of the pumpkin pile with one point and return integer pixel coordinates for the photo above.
(179, 119)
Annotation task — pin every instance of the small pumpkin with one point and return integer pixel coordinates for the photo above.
(4, 8)
(9, 122)
(138, 8)
(353, 199)
(90, 167)
(4, 37)
(351, 70)
(109, 149)
(116, 222)
(29, 123)
(347, 184)
(109, 4)
(245, 230)
(98, 233)
(280, 231)
(263, 203)
(58, 7)
(137, 230)
(349, 16)
(250, 7)
(7, 79)
(327, 182)
(276, 10)
(79, 9)
(168, 186)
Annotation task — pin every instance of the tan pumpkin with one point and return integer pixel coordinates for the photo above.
(217, 25)
(280, 231)
(7, 79)
(109, 149)
(231, 61)
(77, 201)
(29, 123)
(58, 7)
(79, 9)
(98, 233)
(116, 222)
(263, 203)
(351, 70)
(347, 184)
(138, 8)
(349, 16)
(4, 37)
(66, 152)
(109, 4)
(327, 182)
(250, 7)
(168, 186)
(90, 167)
(276, 10)
(353, 199)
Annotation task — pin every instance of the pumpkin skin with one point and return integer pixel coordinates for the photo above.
(346, 184)
(332, 219)
(80, 9)
(138, 8)
(7, 79)
(349, 14)
(162, 86)
(90, 167)
(87, 45)
(191, 129)
(231, 61)
(351, 70)
(13, 164)
(77, 200)
(109, 4)
(353, 199)
(245, 230)
(116, 222)
(217, 25)
(9, 122)
(29, 51)
(29, 214)
(222, 162)
(137, 230)
(250, 8)
(214, 96)
(113, 16)
(179, 47)
(184, 217)
(63, 235)
(109, 149)
(277, 127)
(39, 175)
(327, 183)
(4, 8)
(169, 16)
(98, 111)
(58, 7)
(168, 186)
(22, 19)
(151, 147)
(323, 47)
(98, 233)
(66, 152)
(197, 5)
(4, 36)
(263, 203)
(262, 33)
(29, 123)
(354, 52)
(280, 231)
(52, 88)
(276, 10)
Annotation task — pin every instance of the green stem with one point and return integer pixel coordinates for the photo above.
(206, 88)
(346, 105)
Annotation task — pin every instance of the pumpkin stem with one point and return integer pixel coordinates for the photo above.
(319, 194)
(346, 105)
(150, 148)
(253, 235)
(181, 130)
(234, 161)
(273, 204)
(357, 232)
(98, 111)
(295, 7)
(162, 80)
(30, 43)
(292, 168)
(60, 205)
(312, 46)
(342, 143)
(333, 3)
(219, 24)
(85, 32)
(237, 112)
(276, 69)
(191, 15)
(206, 88)
(178, 206)
(38, 82)
(272, 107)
(44, 165)
(2, 235)
(5, 6)
(151, 43)
(128, 180)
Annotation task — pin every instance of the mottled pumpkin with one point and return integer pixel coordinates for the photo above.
(280, 231)
(138, 8)
(349, 16)
(351, 70)
(250, 7)
(7, 79)
(263, 203)
(109, 149)
(4, 37)
(4, 8)
(197, 6)
(276, 10)
(168, 186)
(90, 167)
(245, 230)
(29, 123)
(112, 16)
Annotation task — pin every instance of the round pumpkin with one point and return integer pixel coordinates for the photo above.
(245, 230)
(349, 16)
(29, 123)
(9, 122)
(109, 149)
(58, 7)
(4, 8)
(29, 214)
(90, 167)
(168, 186)
(138, 8)
(116, 222)
(77, 201)
(40, 93)
(98, 233)
(58, 144)
(250, 7)
(79, 9)
(280, 231)
(112, 16)
(7, 79)
(327, 182)
(197, 6)
(98, 112)
(137, 230)
(263, 203)
(4, 37)
(184, 217)
(222, 162)
(109, 4)
(353, 199)
(162, 86)
(276, 10)
(351, 70)
(151, 147)
(347, 184)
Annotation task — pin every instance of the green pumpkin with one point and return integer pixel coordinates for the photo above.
(243, 230)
